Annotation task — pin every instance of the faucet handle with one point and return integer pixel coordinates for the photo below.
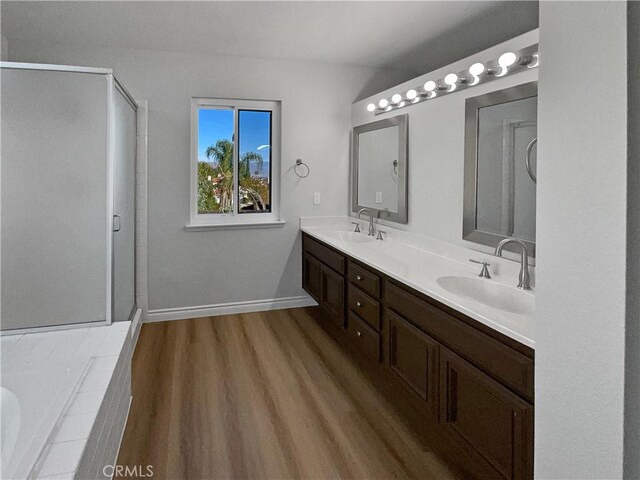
(357, 229)
(485, 271)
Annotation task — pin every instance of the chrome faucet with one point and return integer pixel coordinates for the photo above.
(372, 229)
(524, 282)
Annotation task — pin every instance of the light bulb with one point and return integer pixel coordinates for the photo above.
(430, 88)
(505, 61)
(475, 71)
(412, 94)
(397, 98)
(430, 85)
(451, 80)
(383, 103)
(371, 107)
(535, 62)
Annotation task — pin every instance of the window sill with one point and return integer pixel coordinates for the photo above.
(201, 227)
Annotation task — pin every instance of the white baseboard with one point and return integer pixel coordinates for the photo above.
(182, 313)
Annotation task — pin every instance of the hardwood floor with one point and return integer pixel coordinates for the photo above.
(262, 395)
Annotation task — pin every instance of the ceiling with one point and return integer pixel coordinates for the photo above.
(418, 36)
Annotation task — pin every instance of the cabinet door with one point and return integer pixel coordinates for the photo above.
(311, 276)
(413, 356)
(332, 295)
(484, 415)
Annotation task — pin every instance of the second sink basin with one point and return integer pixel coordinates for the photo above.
(351, 237)
(492, 294)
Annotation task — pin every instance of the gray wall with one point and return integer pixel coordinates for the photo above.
(582, 221)
(205, 268)
(4, 48)
(632, 374)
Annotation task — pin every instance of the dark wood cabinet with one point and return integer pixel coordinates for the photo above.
(328, 256)
(323, 278)
(365, 338)
(497, 358)
(365, 279)
(332, 295)
(413, 357)
(471, 386)
(366, 307)
(486, 416)
(311, 279)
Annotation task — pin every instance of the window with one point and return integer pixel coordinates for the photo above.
(235, 163)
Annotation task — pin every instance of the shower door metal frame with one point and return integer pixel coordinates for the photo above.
(112, 82)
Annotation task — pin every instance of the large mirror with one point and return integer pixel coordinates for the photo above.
(379, 168)
(500, 166)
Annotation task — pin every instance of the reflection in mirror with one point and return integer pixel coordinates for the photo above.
(378, 183)
(379, 168)
(500, 166)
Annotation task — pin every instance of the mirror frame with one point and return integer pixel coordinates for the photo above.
(401, 121)
(470, 231)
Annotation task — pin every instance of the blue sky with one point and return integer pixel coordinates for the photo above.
(214, 125)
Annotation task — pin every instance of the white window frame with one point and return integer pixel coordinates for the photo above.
(200, 221)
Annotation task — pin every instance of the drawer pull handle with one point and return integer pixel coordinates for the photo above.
(359, 333)
(359, 278)
(358, 304)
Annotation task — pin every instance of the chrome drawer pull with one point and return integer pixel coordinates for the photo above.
(359, 304)
(359, 278)
(359, 333)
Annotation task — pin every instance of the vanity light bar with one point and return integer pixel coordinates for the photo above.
(506, 64)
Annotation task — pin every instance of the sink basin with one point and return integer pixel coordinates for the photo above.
(351, 237)
(492, 294)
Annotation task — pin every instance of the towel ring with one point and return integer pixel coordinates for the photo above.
(299, 163)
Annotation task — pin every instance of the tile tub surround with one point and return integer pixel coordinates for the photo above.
(92, 423)
(34, 398)
(417, 261)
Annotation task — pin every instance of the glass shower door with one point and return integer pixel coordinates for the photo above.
(54, 198)
(124, 164)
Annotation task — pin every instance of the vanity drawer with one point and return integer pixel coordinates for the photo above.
(364, 337)
(364, 306)
(325, 254)
(510, 367)
(364, 279)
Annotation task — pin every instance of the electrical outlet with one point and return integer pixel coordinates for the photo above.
(378, 197)
(316, 198)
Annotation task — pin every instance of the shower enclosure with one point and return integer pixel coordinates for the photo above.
(68, 155)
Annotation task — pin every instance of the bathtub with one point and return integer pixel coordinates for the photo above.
(34, 397)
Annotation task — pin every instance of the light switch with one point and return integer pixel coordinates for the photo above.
(378, 197)
(316, 198)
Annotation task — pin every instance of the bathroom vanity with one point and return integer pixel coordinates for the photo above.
(465, 385)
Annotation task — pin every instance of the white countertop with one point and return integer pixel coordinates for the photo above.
(418, 262)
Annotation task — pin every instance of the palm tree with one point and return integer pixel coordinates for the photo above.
(244, 168)
(222, 154)
(207, 193)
